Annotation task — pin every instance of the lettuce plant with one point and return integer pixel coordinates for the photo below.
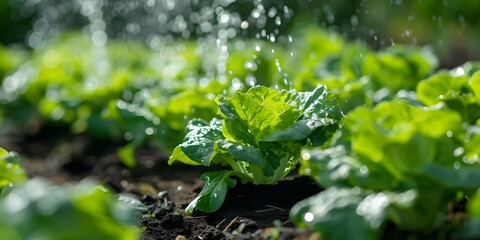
(258, 139)
(396, 162)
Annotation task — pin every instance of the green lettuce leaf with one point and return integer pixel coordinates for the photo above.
(398, 67)
(466, 178)
(440, 86)
(458, 89)
(398, 136)
(320, 117)
(242, 152)
(345, 213)
(199, 142)
(213, 194)
(253, 115)
(335, 167)
(11, 173)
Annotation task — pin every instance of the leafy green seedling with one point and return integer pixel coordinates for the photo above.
(259, 138)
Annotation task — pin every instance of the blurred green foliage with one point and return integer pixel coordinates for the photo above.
(40, 210)
(449, 26)
(124, 90)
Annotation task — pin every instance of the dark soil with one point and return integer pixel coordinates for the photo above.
(249, 212)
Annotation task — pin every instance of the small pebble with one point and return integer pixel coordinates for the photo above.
(180, 237)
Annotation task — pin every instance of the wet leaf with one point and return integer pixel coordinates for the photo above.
(256, 114)
(198, 146)
(319, 121)
(213, 194)
(242, 152)
(341, 213)
(11, 173)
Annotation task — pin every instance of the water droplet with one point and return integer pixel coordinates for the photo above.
(392, 42)
(277, 63)
(131, 108)
(124, 183)
(263, 33)
(272, 37)
(458, 151)
(244, 25)
(460, 71)
(255, 13)
(278, 21)
(364, 169)
(250, 65)
(308, 217)
(179, 188)
(128, 136)
(272, 12)
(224, 18)
(449, 133)
(251, 80)
(149, 131)
(305, 155)
(456, 165)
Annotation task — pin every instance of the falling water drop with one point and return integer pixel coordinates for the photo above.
(456, 165)
(308, 217)
(278, 21)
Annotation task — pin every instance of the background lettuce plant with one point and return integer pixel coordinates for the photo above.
(38, 209)
(396, 162)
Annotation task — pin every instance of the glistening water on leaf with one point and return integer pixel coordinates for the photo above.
(259, 138)
(11, 173)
